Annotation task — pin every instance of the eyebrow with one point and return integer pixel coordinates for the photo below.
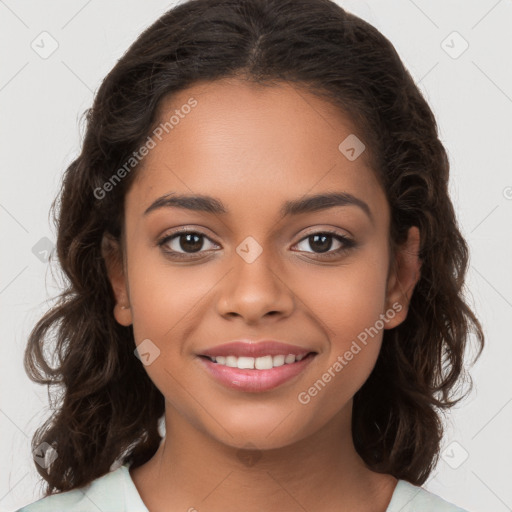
(307, 204)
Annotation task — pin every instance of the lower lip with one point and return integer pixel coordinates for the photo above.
(255, 381)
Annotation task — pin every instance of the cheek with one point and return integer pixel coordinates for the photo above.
(164, 296)
(349, 305)
(166, 305)
(348, 299)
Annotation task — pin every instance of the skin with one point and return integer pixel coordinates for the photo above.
(253, 148)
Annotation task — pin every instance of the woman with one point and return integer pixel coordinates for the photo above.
(265, 264)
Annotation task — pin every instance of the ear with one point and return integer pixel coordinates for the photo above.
(112, 253)
(404, 274)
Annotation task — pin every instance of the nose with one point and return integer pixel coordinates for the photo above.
(255, 290)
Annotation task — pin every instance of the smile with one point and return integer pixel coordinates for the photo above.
(258, 374)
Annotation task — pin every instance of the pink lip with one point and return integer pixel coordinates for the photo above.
(254, 381)
(255, 349)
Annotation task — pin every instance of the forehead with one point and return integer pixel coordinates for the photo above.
(247, 143)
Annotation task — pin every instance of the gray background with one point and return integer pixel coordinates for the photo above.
(41, 100)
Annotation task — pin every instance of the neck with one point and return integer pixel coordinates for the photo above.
(322, 471)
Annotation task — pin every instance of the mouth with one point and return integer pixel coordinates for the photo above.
(256, 374)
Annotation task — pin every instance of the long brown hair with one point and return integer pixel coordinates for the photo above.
(107, 409)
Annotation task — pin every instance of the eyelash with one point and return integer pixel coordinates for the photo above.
(348, 244)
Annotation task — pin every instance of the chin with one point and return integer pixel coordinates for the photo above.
(263, 435)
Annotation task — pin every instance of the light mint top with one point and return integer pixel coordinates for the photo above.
(116, 492)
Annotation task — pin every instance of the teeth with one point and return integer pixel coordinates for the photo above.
(258, 363)
(263, 363)
(246, 362)
(278, 360)
(290, 358)
(231, 361)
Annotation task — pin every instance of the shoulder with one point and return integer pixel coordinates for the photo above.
(108, 493)
(411, 498)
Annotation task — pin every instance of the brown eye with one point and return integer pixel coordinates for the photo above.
(322, 243)
(190, 242)
(184, 242)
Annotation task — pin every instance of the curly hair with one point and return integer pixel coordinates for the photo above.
(108, 409)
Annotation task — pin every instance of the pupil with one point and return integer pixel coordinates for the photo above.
(323, 245)
(195, 246)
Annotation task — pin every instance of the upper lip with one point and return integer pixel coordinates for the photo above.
(255, 349)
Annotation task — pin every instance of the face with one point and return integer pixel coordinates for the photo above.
(316, 278)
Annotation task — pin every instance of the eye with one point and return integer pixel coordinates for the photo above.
(184, 243)
(322, 242)
(187, 243)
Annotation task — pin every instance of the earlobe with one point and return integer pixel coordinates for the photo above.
(404, 277)
(123, 315)
(113, 257)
